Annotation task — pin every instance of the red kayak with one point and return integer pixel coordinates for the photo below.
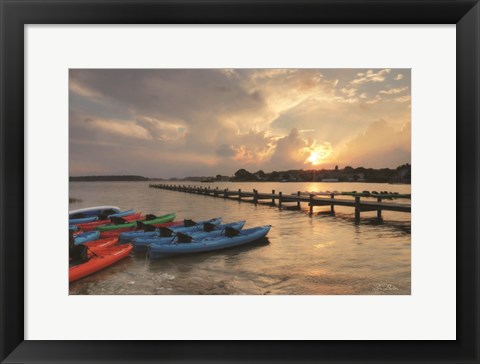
(99, 259)
(89, 226)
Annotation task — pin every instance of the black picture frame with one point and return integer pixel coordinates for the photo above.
(15, 14)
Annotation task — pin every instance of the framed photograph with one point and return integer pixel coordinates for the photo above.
(246, 181)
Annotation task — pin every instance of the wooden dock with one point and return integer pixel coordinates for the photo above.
(280, 199)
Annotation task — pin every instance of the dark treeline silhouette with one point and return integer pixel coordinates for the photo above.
(108, 178)
(401, 174)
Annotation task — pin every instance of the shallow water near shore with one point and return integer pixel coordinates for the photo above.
(303, 255)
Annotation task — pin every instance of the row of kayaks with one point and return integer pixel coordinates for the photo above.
(112, 241)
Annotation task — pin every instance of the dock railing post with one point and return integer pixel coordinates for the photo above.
(279, 200)
(332, 206)
(298, 202)
(379, 211)
(255, 196)
(239, 194)
(311, 204)
(273, 198)
(225, 193)
(357, 209)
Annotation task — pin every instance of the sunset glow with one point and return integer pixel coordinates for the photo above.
(318, 155)
(188, 122)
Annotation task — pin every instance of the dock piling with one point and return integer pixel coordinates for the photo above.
(357, 209)
(379, 211)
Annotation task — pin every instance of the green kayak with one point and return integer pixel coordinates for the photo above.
(160, 219)
(114, 227)
(157, 220)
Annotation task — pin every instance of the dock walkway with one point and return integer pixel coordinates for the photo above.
(279, 199)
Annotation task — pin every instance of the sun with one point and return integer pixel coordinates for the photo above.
(318, 154)
(314, 159)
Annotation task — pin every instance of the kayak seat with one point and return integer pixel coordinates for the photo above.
(231, 232)
(165, 232)
(118, 220)
(207, 226)
(183, 238)
(189, 223)
(150, 217)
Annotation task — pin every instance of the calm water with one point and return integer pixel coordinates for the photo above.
(321, 254)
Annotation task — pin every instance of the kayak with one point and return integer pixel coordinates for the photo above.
(178, 226)
(208, 244)
(141, 244)
(123, 213)
(92, 225)
(133, 224)
(199, 226)
(114, 233)
(99, 259)
(86, 237)
(160, 219)
(101, 243)
(82, 220)
(92, 211)
(128, 236)
(109, 227)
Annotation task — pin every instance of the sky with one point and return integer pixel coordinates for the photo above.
(203, 122)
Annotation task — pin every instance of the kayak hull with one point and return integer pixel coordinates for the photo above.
(103, 258)
(92, 225)
(141, 244)
(101, 243)
(86, 237)
(82, 220)
(208, 244)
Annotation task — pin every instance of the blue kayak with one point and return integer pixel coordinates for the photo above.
(123, 213)
(82, 220)
(86, 237)
(128, 236)
(140, 244)
(73, 227)
(208, 243)
(199, 226)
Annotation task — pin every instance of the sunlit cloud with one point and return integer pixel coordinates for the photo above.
(394, 91)
(371, 76)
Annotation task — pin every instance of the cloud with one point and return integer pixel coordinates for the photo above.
(371, 76)
(398, 77)
(394, 91)
(379, 146)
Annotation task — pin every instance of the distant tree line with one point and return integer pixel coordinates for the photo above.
(108, 178)
(401, 174)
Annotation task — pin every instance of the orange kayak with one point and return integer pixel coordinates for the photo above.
(101, 243)
(103, 257)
